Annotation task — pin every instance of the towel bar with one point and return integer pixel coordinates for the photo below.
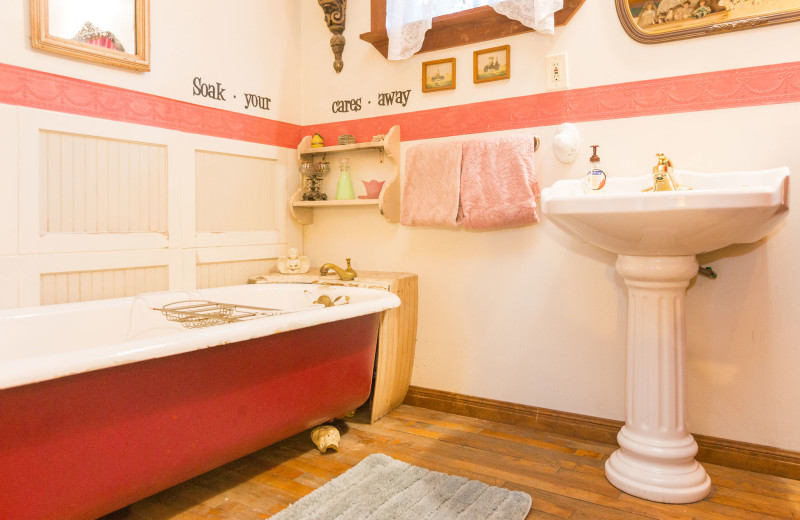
(535, 143)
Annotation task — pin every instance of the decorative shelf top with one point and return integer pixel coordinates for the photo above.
(334, 202)
(372, 145)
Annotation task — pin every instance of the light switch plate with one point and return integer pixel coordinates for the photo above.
(556, 72)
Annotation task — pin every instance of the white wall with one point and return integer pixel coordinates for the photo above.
(236, 45)
(529, 315)
(249, 46)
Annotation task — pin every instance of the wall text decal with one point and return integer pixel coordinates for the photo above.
(399, 97)
(215, 90)
(254, 101)
(208, 89)
(346, 105)
(395, 97)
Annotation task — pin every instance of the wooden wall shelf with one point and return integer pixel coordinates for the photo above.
(388, 201)
(334, 203)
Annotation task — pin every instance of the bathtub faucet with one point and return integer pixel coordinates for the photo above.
(344, 274)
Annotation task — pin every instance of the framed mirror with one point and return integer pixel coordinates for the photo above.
(655, 21)
(112, 32)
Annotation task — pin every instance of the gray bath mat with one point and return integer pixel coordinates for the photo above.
(381, 488)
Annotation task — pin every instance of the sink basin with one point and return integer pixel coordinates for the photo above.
(721, 209)
(656, 236)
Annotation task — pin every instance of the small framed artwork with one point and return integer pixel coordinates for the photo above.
(439, 75)
(491, 64)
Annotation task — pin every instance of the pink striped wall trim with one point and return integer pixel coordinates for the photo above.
(32, 88)
(763, 85)
(753, 86)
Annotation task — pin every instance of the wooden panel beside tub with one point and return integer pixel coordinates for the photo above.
(397, 336)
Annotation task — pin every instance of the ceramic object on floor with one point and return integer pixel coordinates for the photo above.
(326, 438)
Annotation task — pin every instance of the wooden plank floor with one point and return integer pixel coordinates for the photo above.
(564, 476)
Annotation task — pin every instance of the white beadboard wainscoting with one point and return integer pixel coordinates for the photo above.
(104, 209)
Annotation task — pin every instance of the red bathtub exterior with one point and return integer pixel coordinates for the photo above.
(82, 446)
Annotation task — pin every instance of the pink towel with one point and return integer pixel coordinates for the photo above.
(431, 185)
(498, 185)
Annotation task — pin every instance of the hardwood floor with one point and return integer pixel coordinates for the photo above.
(564, 476)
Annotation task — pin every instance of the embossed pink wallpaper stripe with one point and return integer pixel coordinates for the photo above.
(31, 88)
(753, 86)
(763, 85)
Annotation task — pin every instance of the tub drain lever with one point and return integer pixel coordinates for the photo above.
(707, 272)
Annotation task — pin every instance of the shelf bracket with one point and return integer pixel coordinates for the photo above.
(335, 20)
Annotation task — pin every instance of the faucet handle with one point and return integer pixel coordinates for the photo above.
(664, 164)
(351, 273)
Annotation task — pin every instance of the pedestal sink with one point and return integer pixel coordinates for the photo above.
(656, 236)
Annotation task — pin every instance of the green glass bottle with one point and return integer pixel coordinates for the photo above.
(344, 188)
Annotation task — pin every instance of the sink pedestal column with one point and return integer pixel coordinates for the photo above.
(655, 460)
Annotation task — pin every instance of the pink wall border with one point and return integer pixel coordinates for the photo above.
(762, 85)
(35, 89)
(753, 86)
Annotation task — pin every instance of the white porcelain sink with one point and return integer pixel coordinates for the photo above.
(656, 236)
(721, 209)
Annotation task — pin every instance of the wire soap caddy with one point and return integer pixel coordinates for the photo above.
(202, 313)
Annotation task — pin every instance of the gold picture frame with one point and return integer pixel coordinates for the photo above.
(439, 75)
(491, 64)
(135, 55)
(650, 21)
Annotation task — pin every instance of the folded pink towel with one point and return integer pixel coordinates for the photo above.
(498, 185)
(431, 185)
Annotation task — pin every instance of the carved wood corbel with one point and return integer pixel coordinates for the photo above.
(334, 18)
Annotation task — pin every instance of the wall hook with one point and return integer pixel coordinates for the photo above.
(566, 142)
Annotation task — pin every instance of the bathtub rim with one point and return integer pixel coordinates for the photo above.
(34, 369)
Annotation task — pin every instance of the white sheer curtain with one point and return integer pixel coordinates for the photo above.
(408, 20)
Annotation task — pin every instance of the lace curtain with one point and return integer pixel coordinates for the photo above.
(408, 20)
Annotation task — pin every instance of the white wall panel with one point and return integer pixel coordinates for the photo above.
(98, 185)
(234, 193)
(9, 181)
(79, 286)
(111, 208)
(217, 274)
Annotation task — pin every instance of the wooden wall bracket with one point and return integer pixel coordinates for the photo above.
(335, 19)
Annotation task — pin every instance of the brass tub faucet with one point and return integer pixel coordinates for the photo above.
(344, 274)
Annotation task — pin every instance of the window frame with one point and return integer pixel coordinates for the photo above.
(452, 30)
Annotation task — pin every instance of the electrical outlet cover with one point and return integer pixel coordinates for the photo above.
(556, 72)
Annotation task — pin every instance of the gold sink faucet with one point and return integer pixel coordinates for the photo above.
(344, 274)
(662, 175)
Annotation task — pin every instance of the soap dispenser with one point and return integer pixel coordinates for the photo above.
(595, 179)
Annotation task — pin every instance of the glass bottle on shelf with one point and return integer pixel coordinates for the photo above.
(344, 188)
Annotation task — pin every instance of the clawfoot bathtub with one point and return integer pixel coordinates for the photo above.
(104, 403)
